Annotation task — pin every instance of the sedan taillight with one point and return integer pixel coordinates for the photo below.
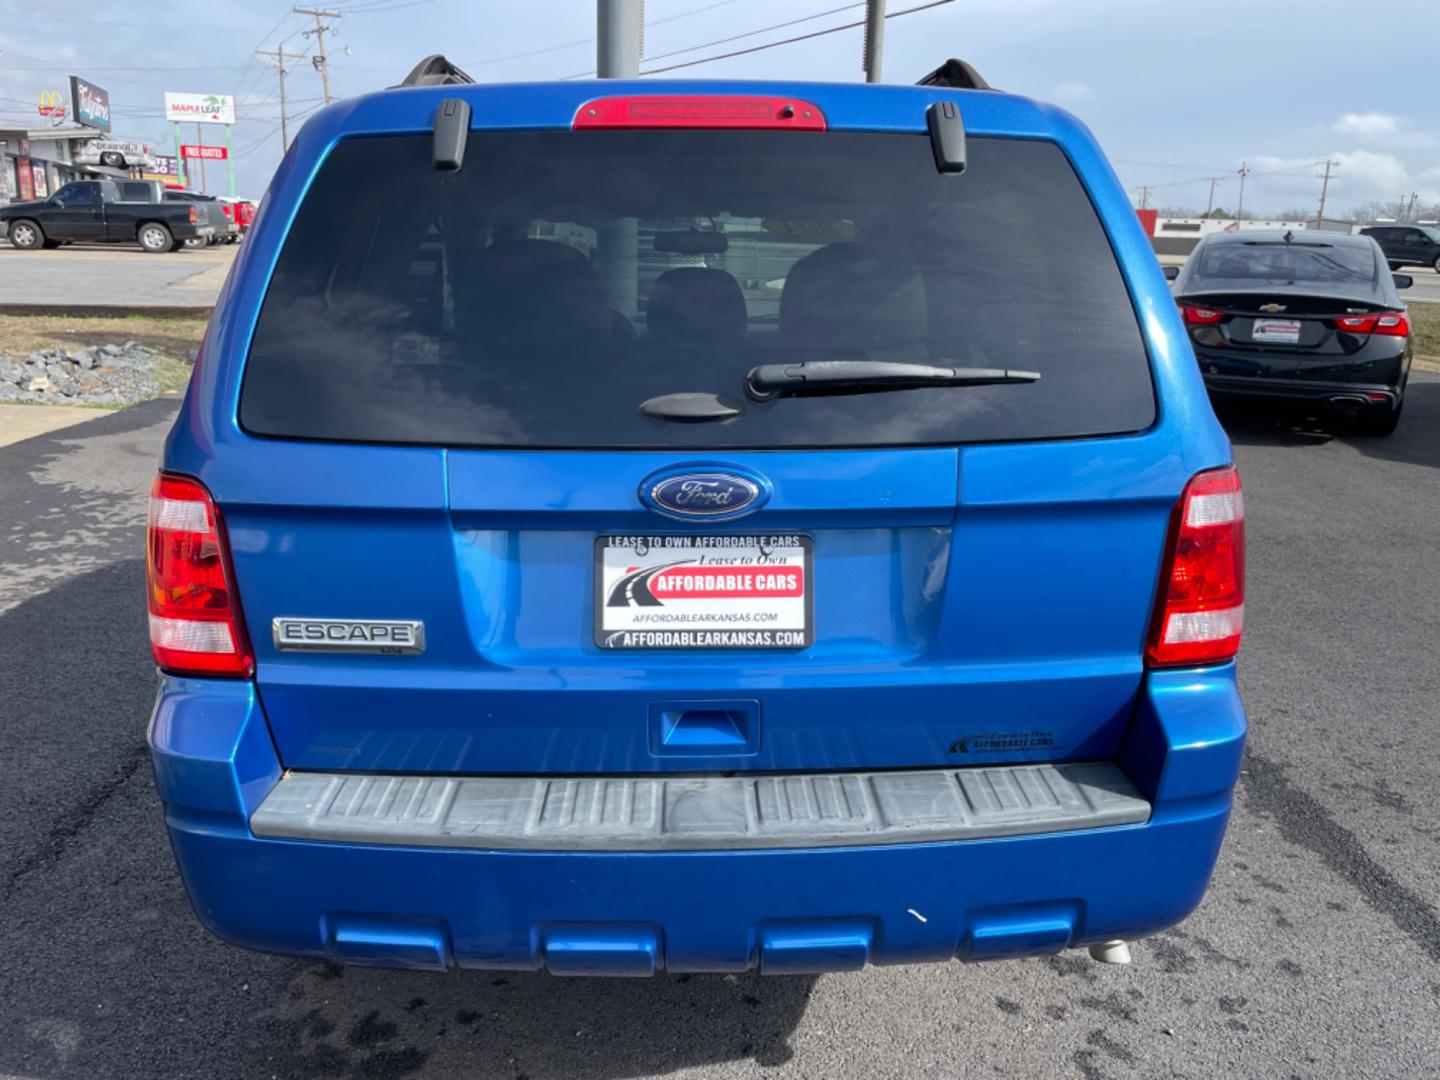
(1387, 324)
(195, 624)
(1199, 316)
(1201, 609)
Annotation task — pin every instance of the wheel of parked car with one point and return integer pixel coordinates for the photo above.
(26, 235)
(154, 237)
(194, 242)
(1436, 264)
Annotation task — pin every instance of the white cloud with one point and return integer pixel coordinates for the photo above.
(1380, 127)
(1358, 176)
(1369, 125)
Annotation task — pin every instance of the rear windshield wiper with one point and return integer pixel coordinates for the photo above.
(868, 376)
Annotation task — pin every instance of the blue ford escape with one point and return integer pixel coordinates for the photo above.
(672, 525)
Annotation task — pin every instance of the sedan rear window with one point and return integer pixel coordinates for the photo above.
(1295, 262)
(558, 281)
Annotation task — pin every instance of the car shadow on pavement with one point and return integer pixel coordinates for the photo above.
(107, 972)
(1415, 442)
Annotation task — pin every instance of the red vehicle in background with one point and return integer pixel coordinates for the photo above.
(242, 213)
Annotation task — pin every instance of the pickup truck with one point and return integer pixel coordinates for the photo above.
(93, 212)
(210, 209)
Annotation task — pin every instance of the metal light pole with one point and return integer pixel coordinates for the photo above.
(619, 40)
(874, 39)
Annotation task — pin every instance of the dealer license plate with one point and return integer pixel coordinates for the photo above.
(703, 592)
(1275, 332)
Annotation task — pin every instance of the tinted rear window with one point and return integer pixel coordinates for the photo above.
(560, 279)
(1293, 263)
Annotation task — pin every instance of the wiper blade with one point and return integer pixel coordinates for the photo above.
(868, 376)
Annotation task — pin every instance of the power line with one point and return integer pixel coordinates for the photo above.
(585, 41)
(791, 40)
(752, 33)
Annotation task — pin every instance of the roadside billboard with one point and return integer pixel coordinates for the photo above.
(91, 104)
(200, 108)
(165, 165)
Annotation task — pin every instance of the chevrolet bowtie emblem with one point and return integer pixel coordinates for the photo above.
(1272, 309)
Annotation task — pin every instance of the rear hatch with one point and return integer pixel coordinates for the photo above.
(459, 360)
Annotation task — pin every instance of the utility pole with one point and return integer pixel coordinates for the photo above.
(874, 39)
(278, 55)
(1410, 212)
(619, 38)
(320, 60)
(1324, 188)
(1242, 172)
(1144, 196)
(1210, 206)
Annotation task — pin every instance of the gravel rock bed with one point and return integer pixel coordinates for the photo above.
(97, 375)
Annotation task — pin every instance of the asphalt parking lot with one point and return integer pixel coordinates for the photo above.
(110, 275)
(1315, 955)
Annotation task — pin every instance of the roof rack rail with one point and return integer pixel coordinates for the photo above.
(434, 71)
(957, 75)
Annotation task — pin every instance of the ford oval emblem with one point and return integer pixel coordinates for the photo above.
(713, 494)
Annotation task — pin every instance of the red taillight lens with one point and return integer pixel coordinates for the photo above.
(1199, 316)
(195, 626)
(1202, 604)
(1389, 325)
(699, 111)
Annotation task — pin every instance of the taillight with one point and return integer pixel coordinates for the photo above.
(1199, 316)
(195, 625)
(1201, 609)
(1386, 325)
(193, 216)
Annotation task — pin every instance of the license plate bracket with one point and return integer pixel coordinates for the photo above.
(704, 591)
(1276, 332)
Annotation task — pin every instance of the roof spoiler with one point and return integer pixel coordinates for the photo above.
(434, 71)
(957, 75)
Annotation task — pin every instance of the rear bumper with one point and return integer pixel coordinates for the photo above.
(1376, 395)
(617, 913)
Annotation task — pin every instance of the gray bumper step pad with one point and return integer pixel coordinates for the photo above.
(688, 813)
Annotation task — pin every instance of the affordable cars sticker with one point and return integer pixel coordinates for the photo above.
(703, 592)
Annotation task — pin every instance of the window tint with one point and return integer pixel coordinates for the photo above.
(1275, 261)
(541, 294)
(78, 194)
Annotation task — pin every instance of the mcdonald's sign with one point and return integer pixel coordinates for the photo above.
(52, 105)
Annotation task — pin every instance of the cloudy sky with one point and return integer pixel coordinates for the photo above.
(1176, 90)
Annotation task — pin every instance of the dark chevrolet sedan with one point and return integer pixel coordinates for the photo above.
(1309, 317)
